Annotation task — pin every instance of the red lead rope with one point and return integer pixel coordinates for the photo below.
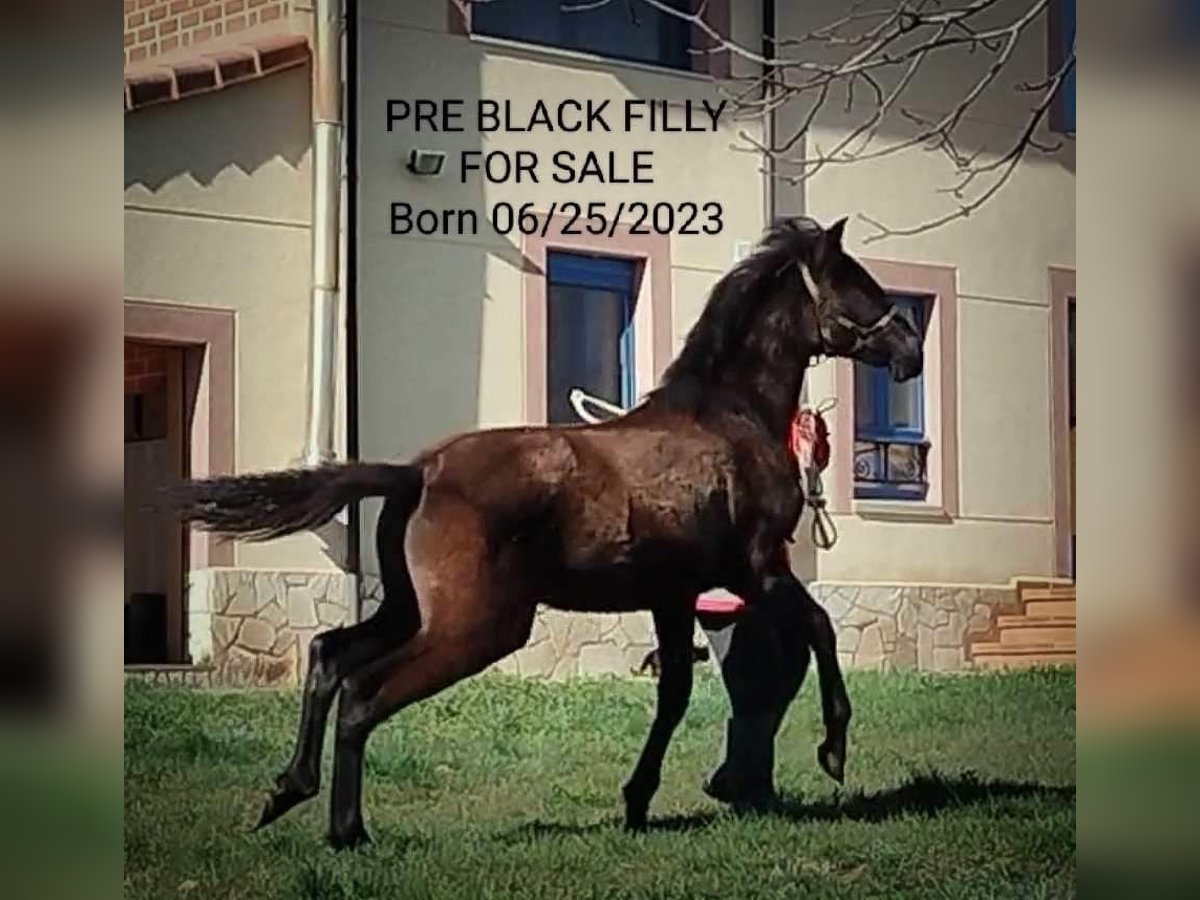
(809, 439)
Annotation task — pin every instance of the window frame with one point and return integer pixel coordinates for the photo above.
(653, 312)
(716, 64)
(939, 284)
(881, 431)
(595, 271)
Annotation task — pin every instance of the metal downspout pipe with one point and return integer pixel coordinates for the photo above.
(769, 76)
(326, 188)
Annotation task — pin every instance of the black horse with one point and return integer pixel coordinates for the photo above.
(693, 489)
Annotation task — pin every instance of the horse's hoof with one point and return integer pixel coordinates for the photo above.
(635, 823)
(756, 800)
(831, 756)
(282, 799)
(718, 787)
(761, 800)
(271, 811)
(354, 839)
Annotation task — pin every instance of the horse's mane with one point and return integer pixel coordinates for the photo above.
(731, 310)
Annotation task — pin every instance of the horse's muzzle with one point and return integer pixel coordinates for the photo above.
(907, 365)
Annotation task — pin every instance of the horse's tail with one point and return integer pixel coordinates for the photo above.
(271, 504)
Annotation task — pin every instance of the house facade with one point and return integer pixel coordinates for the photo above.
(919, 569)
(218, 280)
(942, 492)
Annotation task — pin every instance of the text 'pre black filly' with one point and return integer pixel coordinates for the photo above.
(694, 489)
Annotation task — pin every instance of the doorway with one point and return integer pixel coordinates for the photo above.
(1071, 418)
(155, 458)
(1062, 412)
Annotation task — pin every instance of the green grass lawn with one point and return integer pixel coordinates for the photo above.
(956, 787)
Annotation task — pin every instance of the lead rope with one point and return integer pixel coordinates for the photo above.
(810, 443)
(824, 532)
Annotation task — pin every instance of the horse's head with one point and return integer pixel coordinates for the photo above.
(853, 316)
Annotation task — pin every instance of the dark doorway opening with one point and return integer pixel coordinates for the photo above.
(155, 550)
(1071, 414)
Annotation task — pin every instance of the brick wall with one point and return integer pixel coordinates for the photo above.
(145, 367)
(155, 27)
(146, 390)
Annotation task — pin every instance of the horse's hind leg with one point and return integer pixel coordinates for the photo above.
(673, 626)
(468, 622)
(432, 661)
(334, 654)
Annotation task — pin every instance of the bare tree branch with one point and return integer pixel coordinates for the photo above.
(801, 72)
(1005, 164)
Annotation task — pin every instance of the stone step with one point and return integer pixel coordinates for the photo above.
(1027, 621)
(1050, 609)
(993, 654)
(1026, 632)
(1026, 661)
(1057, 592)
(1028, 583)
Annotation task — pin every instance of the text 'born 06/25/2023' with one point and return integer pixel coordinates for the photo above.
(563, 218)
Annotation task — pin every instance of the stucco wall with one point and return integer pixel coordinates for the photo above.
(449, 355)
(1002, 254)
(441, 327)
(217, 197)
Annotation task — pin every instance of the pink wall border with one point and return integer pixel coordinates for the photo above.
(653, 251)
(209, 371)
(1062, 290)
(940, 282)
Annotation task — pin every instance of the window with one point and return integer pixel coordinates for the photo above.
(1062, 42)
(619, 30)
(890, 441)
(589, 330)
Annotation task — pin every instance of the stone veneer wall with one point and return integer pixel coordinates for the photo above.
(253, 627)
(904, 626)
(568, 644)
(879, 626)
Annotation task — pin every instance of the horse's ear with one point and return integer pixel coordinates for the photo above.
(834, 232)
(829, 245)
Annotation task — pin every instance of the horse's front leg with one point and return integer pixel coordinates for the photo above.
(778, 585)
(673, 626)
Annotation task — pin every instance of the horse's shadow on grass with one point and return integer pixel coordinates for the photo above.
(925, 795)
